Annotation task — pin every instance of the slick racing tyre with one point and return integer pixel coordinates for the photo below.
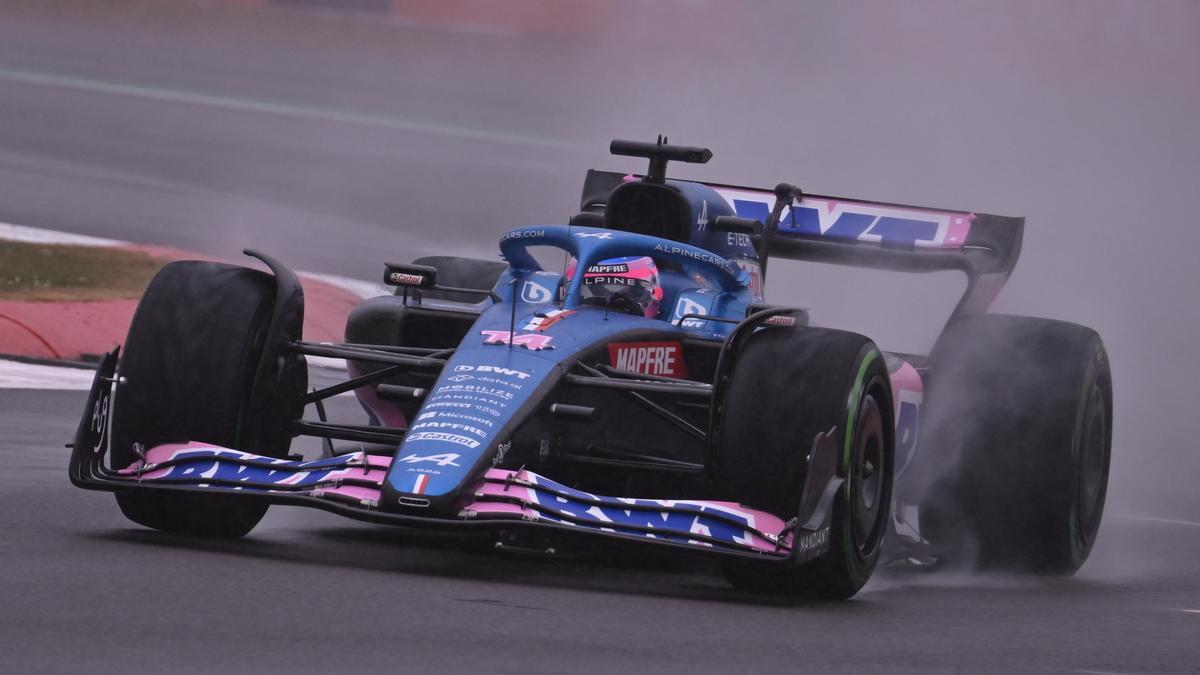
(189, 363)
(786, 387)
(1019, 416)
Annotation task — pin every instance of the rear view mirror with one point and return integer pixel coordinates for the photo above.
(412, 276)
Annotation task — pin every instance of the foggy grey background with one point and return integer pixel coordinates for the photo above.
(1081, 116)
(337, 142)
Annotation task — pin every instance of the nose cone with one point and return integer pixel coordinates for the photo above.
(500, 374)
(490, 386)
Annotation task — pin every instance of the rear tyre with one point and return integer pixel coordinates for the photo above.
(190, 361)
(1019, 416)
(786, 387)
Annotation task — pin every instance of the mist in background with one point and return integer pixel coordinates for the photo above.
(1080, 116)
(337, 142)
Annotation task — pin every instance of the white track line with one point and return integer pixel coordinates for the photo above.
(278, 108)
(357, 287)
(21, 375)
(326, 362)
(18, 375)
(363, 289)
(37, 235)
(1152, 519)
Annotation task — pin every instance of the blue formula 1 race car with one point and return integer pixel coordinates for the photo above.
(644, 393)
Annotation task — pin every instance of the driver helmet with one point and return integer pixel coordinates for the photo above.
(629, 284)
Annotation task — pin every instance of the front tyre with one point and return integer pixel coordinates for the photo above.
(786, 388)
(190, 359)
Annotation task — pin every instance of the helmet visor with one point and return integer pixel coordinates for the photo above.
(604, 286)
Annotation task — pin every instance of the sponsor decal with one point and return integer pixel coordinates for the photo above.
(442, 414)
(450, 425)
(812, 541)
(582, 506)
(532, 341)
(473, 398)
(908, 427)
(780, 320)
(888, 226)
(99, 421)
(442, 436)
(908, 392)
(445, 459)
(501, 452)
(684, 521)
(616, 281)
(594, 235)
(205, 464)
(620, 268)
(406, 279)
(687, 306)
(649, 358)
(519, 374)
(460, 378)
(465, 401)
(476, 389)
(697, 254)
(502, 383)
(738, 239)
(533, 292)
(752, 268)
(542, 321)
(523, 234)
(447, 404)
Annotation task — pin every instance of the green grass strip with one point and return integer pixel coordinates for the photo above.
(57, 272)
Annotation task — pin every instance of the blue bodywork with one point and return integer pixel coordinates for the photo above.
(494, 381)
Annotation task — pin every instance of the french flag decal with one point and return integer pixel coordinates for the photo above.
(422, 482)
(541, 322)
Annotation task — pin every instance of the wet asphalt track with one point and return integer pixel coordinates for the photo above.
(217, 130)
(84, 590)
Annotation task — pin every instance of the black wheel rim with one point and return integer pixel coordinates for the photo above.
(868, 477)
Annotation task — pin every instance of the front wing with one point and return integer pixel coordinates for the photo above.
(350, 484)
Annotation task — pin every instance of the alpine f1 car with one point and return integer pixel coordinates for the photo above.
(644, 392)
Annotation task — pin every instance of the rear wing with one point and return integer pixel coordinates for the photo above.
(857, 232)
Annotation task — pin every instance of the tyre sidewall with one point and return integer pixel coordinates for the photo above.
(189, 360)
(787, 387)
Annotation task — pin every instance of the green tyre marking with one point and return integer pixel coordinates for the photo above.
(851, 415)
(852, 403)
